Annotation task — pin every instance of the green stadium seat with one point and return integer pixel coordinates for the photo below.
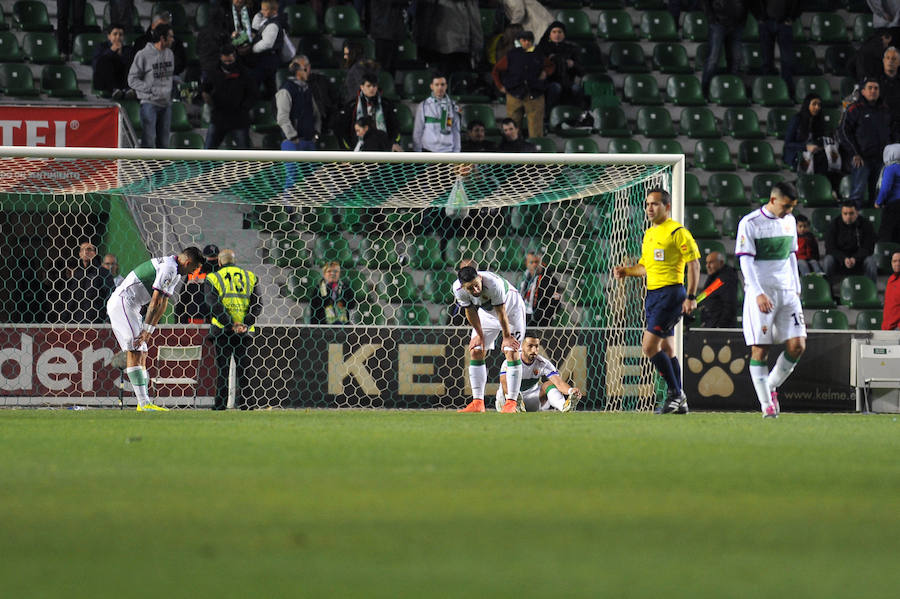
(777, 121)
(627, 57)
(132, 110)
(641, 90)
(84, 45)
(10, 51)
(4, 24)
(318, 219)
(343, 21)
(830, 320)
(201, 17)
(527, 219)
(417, 85)
(561, 116)
(757, 156)
(592, 317)
(544, 145)
(799, 32)
(263, 117)
(581, 145)
(272, 140)
(504, 253)
(713, 155)
(752, 59)
(726, 189)
(438, 286)
(477, 112)
(368, 314)
(31, 15)
(413, 316)
(425, 253)
(805, 61)
(862, 28)
(658, 26)
(838, 59)
(731, 216)
(408, 55)
(761, 187)
(741, 123)
(300, 283)
(590, 57)
(301, 19)
(179, 19)
(847, 86)
(695, 26)
(615, 25)
(728, 90)
(815, 292)
(600, 89)
(405, 118)
(707, 246)
(59, 81)
(869, 320)
(771, 90)
(469, 87)
(699, 123)
(588, 256)
(873, 215)
(700, 222)
(751, 29)
(671, 58)
(685, 90)
(40, 47)
(649, 4)
(332, 248)
(814, 190)
(397, 287)
(832, 118)
(588, 291)
(319, 50)
(130, 28)
(692, 193)
(334, 76)
(623, 145)
(859, 292)
(702, 53)
(828, 28)
(289, 252)
(611, 122)
(379, 253)
(16, 80)
(180, 120)
(883, 252)
(664, 146)
(358, 282)
(818, 85)
(821, 219)
(457, 249)
(349, 219)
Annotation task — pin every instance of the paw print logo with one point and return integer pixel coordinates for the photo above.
(716, 379)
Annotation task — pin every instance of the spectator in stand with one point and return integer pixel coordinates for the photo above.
(869, 56)
(332, 299)
(370, 138)
(210, 40)
(296, 112)
(564, 84)
(676, 6)
(522, 76)
(358, 66)
(66, 26)
(885, 13)
(512, 139)
(148, 38)
(271, 46)
(720, 307)
(540, 291)
(891, 319)
(804, 142)
(111, 61)
(230, 92)
(388, 28)
(111, 263)
(88, 287)
(192, 307)
(151, 76)
(122, 11)
(475, 140)
(776, 19)
(889, 195)
(850, 245)
(889, 84)
(726, 25)
(865, 130)
(436, 123)
(368, 102)
(807, 247)
(326, 95)
(448, 34)
(530, 15)
(239, 25)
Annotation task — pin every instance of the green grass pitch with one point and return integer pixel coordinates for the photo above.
(421, 504)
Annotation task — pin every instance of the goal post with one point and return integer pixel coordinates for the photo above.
(395, 224)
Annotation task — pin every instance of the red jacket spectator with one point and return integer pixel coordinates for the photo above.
(891, 319)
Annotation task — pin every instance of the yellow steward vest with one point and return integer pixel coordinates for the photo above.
(234, 286)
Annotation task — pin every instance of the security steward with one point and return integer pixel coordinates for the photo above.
(234, 304)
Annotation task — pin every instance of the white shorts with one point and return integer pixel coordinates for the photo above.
(125, 318)
(531, 398)
(784, 322)
(490, 325)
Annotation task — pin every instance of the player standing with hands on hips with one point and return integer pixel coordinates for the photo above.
(767, 248)
(666, 249)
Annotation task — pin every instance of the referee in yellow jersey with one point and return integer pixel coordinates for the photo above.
(666, 249)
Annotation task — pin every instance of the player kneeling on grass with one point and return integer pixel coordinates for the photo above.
(536, 396)
(153, 282)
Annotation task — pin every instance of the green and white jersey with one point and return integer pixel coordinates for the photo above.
(495, 291)
(532, 373)
(770, 241)
(158, 273)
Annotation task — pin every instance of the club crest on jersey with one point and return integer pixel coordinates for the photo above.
(534, 371)
(659, 255)
(765, 329)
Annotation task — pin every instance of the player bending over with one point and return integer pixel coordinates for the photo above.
(553, 394)
(494, 308)
(767, 248)
(153, 282)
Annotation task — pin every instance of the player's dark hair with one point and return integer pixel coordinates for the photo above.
(194, 254)
(466, 274)
(801, 218)
(666, 197)
(786, 189)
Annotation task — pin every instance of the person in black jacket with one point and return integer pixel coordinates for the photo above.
(850, 245)
(111, 62)
(522, 76)
(512, 138)
(541, 292)
(370, 138)
(475, 140)
(564, 84)
(720, 308)
(388, 29)
(865, 130)
(88, 286)
(726, 25)
(332, 299)
(368, 102)
(230, 92)
(776, 19)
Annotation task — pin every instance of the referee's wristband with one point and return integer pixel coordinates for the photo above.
(691, 296)
(148, 327)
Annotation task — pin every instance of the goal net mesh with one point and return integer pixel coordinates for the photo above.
(396, 230)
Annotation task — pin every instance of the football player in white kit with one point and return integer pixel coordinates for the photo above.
(553, 394)
(152, 282)
(494, 308)
(767, 248)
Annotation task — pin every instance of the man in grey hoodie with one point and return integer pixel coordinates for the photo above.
(151, 77)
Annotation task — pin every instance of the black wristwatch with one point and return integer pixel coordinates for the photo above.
(691, 296)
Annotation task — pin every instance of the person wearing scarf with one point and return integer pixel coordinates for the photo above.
(332, 299)
(804, 133)
(368, 102)
(436, 126)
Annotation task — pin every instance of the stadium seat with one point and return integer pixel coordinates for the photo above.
(301, 19)
(590, 57)
(623, 145)
(581, 145)
(592, 317)
(408, 55)
(477, 112)
(815, 292)
(700, 222)
(504, 253)
(130, 28)
(349, 219)
(741, 123)
(178, 16)
(404, 118)
(692, 194)
(380, 253)
(828, 28)
(883, 252)
(611, 122)
(289, 252)
(10, 51)
(600, 89)
(4, 24)
(425, 253)
(713, 155)
(84, 45)
(731, 216)
(467, 86)
(133, 112)
(180, 120)
(641, 90)
(664, 146)
(459, 248)
(695, 27)
(728, 90)
(862, 28)
(343, 21)
(627, 57)
(59, 81)
(762, 184)
(16, 80)
(805, 61)
(830, 320)
(814, 190)
(757, 156)
(562, 118)
(838, 59)
(702, 53)
(777, 121)
(771, 90)
(319, 50)
(414, 315)
(671, 59)
(818, 85)
(31, 15)
(869, 320)
(332, 248)
(438, 287)
(751, 29)
(589, 256)
(588, 290)
(397, 287)
(369, 314)
(726, 189)
(615, 25)
(847, 86)
(799, 32)
(578, 26)
(300, 283)
(40, 47)
(685, 90)
(649, 4)
(658, 26)
(752, 59)
(873, 215)
(545, 145)
(707, 246)
(821, 220)
(859, 292)
(699, 123)
(417, 85)
(318, 219)
(263, 117)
